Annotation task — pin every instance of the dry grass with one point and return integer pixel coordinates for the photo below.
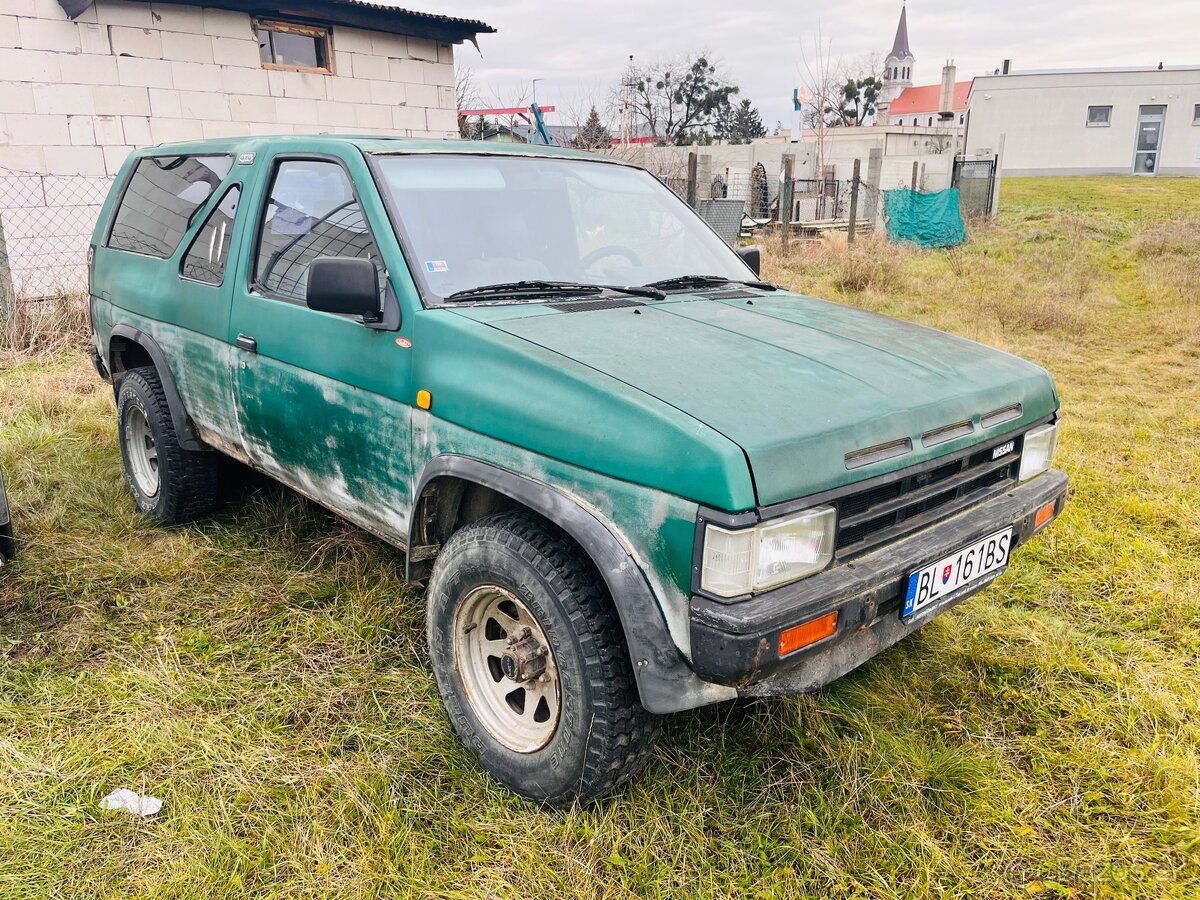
(47, 327)
(264, 672)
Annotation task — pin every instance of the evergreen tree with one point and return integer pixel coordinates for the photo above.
(746, 124)
(592, 135)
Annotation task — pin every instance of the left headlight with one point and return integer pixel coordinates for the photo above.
(769, 554)
(1037, 452)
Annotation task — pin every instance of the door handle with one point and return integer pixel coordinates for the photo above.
(247, 343)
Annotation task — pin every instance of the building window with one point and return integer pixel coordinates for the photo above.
(1196, 114)
(300, 48)
(1099, 116)
(931, 121)
(961, 118)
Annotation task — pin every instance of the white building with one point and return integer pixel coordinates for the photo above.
(1089, 121)
(83, 82)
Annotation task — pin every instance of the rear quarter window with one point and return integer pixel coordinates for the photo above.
(161, 199)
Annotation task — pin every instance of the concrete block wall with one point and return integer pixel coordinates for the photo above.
(77, 96)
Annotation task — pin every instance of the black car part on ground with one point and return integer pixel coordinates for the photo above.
(8, 544)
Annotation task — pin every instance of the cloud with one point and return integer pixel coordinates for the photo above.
(579, 50)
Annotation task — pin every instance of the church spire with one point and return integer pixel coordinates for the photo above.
(900, 48)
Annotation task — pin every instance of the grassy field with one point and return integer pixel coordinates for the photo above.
(264, 672)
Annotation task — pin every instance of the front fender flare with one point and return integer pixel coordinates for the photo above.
(185, 431)
(665, 681)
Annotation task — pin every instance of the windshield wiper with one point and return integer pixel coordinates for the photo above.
(683, 282)
(535, 288)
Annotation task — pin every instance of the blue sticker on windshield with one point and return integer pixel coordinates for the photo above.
(436, 265)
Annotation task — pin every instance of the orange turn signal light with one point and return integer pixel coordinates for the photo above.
(1044, 515)
(424, 399)
(798, 636)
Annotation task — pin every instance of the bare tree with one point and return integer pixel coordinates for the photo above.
(466, 96)
(820, 75)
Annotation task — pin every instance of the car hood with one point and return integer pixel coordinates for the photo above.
(797, 383)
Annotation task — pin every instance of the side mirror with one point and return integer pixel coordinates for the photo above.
(752, 256)
(348, 285)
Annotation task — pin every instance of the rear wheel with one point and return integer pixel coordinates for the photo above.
(531, 663)
(169, 483)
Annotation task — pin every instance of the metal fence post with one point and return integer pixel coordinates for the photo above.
(785, 196)
(691, 179)
(853, 204)
(995, 198)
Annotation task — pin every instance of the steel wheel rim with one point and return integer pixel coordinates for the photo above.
(521, 716)
(141, 450)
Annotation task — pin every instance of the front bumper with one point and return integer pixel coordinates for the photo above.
(737, 644)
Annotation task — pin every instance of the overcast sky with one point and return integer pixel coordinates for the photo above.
(579, 49)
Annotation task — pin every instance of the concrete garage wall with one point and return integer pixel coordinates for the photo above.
(76, 97)
(1043, 116)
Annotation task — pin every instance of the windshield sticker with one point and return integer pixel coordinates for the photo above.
(436, 265)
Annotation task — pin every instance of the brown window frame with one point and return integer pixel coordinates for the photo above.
(319, 32)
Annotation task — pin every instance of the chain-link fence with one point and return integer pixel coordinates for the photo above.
(45, 224)
(817, 199)
(753, 188)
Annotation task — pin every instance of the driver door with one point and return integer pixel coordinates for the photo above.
(322, 399)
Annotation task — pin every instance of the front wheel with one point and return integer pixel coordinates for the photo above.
(531, 663)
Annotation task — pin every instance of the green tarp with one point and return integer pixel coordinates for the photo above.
(930, 220)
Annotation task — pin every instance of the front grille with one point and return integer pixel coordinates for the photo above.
(922, 496)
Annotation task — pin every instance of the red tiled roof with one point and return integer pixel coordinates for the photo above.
(927, 98)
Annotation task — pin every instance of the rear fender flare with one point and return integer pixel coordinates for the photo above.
(185, 431)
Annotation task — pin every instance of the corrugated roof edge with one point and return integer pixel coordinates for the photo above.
(350, 13)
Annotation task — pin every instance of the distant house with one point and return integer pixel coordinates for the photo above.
(922, 106)
(83, 82)
(1140, 121)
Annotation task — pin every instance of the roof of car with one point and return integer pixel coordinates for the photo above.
(373, 143)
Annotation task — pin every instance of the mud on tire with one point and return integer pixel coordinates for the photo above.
(602, 735)
(169, 484)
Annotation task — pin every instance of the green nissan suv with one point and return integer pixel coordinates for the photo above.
(633, 478)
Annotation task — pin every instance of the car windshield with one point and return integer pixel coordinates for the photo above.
(475, 221)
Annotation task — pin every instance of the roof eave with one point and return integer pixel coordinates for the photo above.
(367, 16)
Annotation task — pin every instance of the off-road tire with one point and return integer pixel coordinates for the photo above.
(604, 736)
(187, 479)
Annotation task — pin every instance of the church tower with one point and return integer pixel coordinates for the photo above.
(897, 67)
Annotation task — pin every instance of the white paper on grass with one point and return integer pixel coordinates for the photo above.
(132, 801)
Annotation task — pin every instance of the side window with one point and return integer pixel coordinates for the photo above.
(162, 197)
(205, 259)
(310, 212)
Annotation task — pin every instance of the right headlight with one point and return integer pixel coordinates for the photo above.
(768, 554)
(1037, 452)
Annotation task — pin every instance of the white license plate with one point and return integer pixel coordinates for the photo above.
(970, 564)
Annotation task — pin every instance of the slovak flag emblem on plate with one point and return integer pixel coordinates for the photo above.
(946, 573)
